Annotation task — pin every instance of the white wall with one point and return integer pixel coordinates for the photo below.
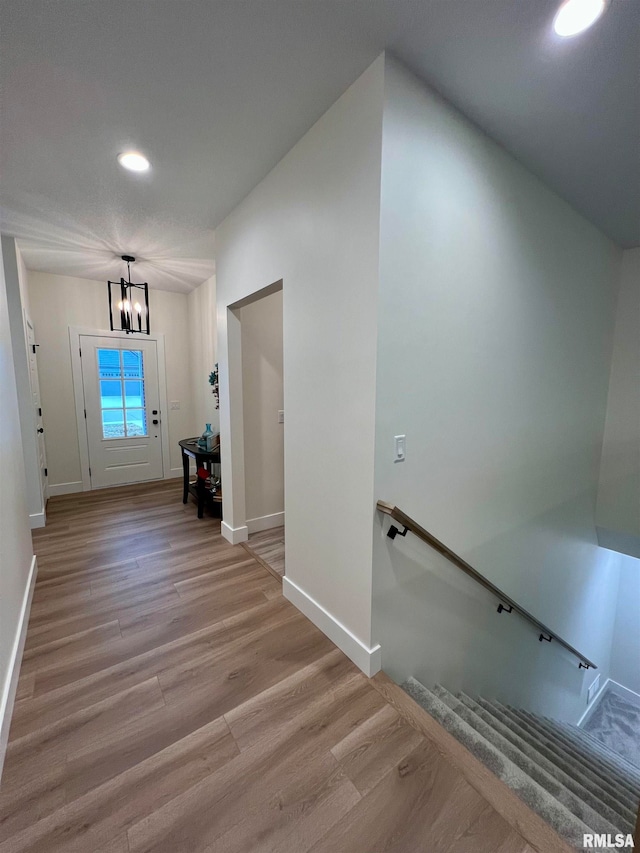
(313, 223)
(203, 347)
(625, 657)
(496, 315)
(263, 392)
(58, 302)
(618, 513)
(18, 303)
(16, 552)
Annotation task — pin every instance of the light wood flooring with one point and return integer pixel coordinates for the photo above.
(268, 548)
(170, 699)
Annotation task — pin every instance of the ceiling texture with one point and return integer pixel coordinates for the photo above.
(215, 92)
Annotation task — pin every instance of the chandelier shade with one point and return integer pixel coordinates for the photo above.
(129, 304)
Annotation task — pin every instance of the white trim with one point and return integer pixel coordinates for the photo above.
(65, 488)
(7, 698)
(164, 404)
(235, 535)
(78, 394)
(37, 519)
(75, 332)
(265, 522)
(368, 660)
(610, 686)
(43, 479)
(623, 692)
(234, 506)
(591, 707)
(174, 472)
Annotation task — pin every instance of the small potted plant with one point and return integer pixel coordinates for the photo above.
(213, 381)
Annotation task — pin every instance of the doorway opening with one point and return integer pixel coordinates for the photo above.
(263, 414)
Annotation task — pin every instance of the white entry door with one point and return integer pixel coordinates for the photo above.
(35, 396)
(122, 410)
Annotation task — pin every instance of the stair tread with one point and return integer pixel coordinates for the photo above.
(562, 774)
(619, 760)
(585, 786)
(592, 755)
(536, 797)
(610, 779)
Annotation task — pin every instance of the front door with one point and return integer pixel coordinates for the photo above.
(122, 410)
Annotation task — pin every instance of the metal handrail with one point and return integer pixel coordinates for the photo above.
(505, 603)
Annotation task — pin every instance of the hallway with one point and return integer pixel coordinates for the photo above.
(171, 699)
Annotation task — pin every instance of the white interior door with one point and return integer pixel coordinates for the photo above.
(122, 410)
(34, 383)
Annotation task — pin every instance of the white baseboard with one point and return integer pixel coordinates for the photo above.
(37, 519)
(265, 522)
(174, 472)
(235, 535)
(629, 696)
(368, 660)
(610, 686)
(65, 488)
(7, 698)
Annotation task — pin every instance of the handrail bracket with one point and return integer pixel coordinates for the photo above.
(394, 531)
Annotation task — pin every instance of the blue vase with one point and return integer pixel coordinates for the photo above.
(207, 439)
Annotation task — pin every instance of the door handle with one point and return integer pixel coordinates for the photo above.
(40, 430)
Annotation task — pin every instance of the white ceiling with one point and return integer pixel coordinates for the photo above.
(217, 91)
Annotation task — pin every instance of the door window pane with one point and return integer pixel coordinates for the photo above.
(122, 397)
(136, 422)
(113, 423)
(110, 394)
(134, 393)
(132, 362)
(109, 363)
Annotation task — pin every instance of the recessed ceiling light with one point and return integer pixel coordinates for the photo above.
(134, 161)
(575, 16)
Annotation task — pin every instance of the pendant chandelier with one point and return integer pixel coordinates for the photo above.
(129, 304)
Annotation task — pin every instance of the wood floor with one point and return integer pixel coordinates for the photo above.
(171, 700)
(268, 548)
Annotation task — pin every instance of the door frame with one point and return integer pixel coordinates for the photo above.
(234, 526)
(78, 392)
(44, 486)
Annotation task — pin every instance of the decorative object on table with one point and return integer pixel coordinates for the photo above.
(207, 440)
(210, 482)
(129, 311)
(215, 486)
(213, 380)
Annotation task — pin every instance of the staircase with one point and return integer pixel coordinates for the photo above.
(570, 779)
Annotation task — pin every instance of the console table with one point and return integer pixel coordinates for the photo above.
(203, 459)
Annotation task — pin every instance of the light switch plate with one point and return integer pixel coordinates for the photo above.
(280, 416)
(400, 448)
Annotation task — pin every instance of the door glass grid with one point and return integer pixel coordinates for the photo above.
(122, 405)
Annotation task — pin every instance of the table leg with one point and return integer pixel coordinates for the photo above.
(201, 496)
